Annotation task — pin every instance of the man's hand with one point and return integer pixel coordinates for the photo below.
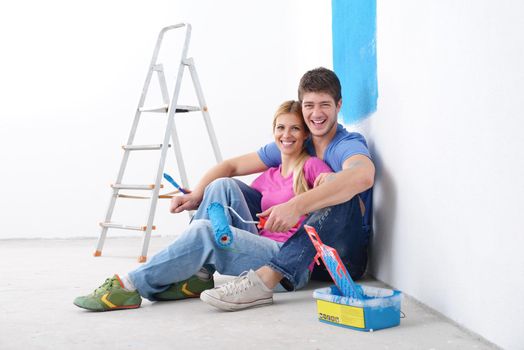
(280, 218)
(188, 201)
(323, 177)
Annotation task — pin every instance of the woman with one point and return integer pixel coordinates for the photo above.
(186, 267)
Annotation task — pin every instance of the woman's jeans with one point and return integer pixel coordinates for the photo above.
(196, 246)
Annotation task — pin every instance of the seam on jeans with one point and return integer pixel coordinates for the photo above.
(318, 218)
(283, 272)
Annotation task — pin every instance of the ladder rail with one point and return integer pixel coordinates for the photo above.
(174, 135)
(167, 135)
(179, 157)
(203, 107)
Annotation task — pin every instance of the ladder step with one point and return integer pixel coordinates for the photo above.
(164, 109)
(167, 195)
(185, 109)
(157, 109)
(142, 147)
(135, 187)
(125, 227)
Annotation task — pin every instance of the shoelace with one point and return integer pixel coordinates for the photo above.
(105, 286)
(239, 284)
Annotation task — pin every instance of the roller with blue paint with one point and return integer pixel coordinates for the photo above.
(217, 216)
(334, 265)
(348, 304)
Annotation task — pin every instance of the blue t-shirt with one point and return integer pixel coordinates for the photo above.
(344, 145)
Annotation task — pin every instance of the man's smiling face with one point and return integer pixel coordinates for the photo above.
(320, 112)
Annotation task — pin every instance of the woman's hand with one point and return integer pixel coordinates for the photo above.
(280, 218)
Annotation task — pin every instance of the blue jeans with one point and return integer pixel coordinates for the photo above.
(196, 246)
(340, 227)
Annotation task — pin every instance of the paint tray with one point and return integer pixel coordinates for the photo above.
(348, 304)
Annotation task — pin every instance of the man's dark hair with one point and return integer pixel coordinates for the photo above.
(320, 80)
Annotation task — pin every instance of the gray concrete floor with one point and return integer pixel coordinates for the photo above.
(40, 278)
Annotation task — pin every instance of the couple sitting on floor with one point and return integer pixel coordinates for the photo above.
(315, 172)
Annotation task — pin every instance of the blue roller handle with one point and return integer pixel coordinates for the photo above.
(173, 182)
(217, 216)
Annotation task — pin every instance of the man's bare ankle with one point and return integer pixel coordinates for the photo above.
(269, 276)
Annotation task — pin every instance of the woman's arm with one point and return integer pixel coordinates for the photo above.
(243, 165)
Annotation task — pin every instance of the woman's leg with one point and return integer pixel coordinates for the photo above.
(195, 248)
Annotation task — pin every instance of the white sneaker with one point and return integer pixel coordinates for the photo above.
(245, 291)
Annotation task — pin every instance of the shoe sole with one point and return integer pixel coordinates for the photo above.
(157, 298)
(187, 293)
(111, 309)
(226, 306)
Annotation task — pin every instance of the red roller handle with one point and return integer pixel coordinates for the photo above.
(263, 219)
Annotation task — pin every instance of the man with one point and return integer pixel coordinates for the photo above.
(338, 207)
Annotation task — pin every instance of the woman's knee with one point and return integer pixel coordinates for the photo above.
(221, 184)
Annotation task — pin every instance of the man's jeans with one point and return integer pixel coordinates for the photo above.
(196, 246)
(340, 227)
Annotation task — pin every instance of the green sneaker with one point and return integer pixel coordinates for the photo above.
(110, 296)
(190, 288)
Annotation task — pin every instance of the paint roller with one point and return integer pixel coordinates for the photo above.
(220, 224)
(335, 266)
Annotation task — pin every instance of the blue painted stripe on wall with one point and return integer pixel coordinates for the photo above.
(354, 56)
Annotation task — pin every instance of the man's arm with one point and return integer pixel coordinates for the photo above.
(243, 165)
(356, 176)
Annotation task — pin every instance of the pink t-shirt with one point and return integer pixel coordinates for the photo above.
(276, 189)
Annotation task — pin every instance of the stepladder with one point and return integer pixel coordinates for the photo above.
(169, 109)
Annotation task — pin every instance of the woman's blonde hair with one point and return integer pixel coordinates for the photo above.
(299, 180)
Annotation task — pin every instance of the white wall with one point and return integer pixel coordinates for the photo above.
(447, 135)
(71, 76)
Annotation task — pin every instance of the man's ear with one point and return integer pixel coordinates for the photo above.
(339, 104)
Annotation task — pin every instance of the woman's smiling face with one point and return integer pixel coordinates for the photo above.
(290, 133)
